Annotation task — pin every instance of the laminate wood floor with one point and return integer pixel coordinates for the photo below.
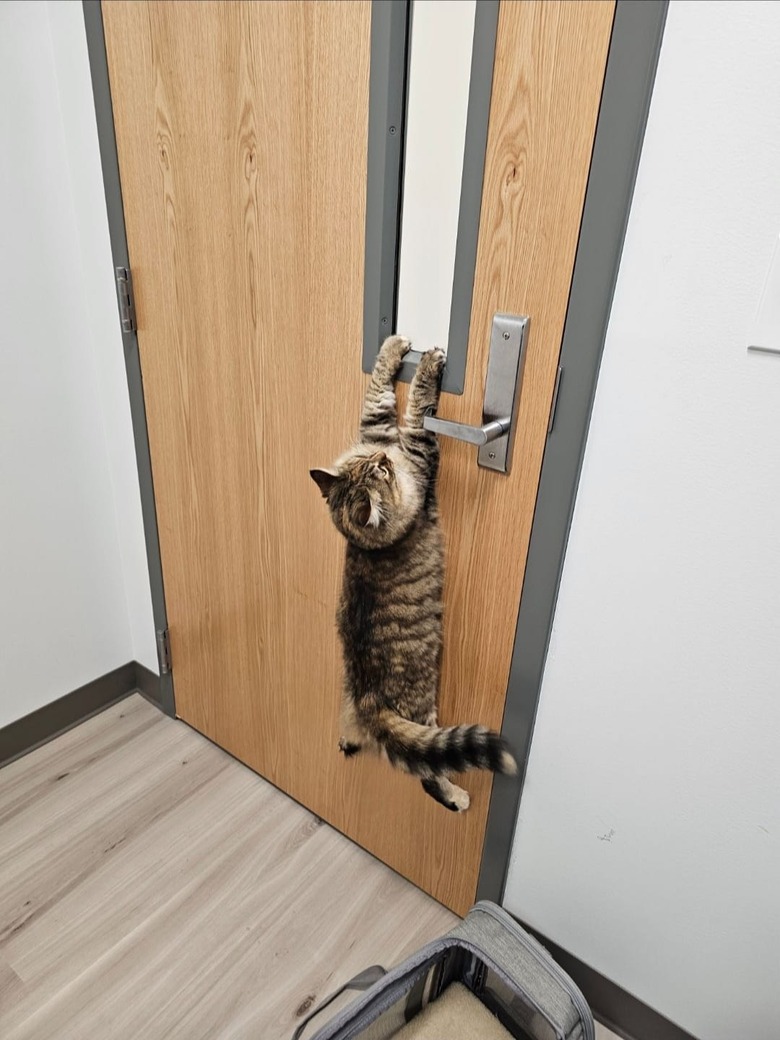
(153, 887)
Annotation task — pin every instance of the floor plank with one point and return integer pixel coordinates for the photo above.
(152, 886)
(602, 1033)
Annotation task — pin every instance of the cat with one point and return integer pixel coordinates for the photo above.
(382, 498)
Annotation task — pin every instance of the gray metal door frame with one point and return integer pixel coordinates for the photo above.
(633, 56)
(101, 89)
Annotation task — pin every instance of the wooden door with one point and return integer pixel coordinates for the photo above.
(241, 131)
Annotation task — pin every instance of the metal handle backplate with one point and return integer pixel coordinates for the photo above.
(495, 437)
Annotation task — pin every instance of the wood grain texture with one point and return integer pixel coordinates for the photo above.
(241, 131)
(151, 886)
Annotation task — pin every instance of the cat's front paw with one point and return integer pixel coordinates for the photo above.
(432, 363)
(394, 349)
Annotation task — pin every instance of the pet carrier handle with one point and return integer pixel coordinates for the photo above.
(364, 980)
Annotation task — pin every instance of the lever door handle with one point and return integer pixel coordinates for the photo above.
(495, 437)
(479, 435)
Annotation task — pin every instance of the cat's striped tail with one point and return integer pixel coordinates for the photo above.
(434, 750)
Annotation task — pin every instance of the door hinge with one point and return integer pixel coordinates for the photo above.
(164, 651)
(124, 289)
(554, 404)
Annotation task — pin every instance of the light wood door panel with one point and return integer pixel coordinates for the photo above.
(241, 131)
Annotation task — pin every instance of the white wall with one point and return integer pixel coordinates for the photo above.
(648, 838)
(77, 109)
(67, 561)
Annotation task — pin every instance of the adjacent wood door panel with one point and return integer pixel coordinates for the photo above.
(241, 131)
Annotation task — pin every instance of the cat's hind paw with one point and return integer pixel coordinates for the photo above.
(347, 748)
(459, 799)
(447, 794)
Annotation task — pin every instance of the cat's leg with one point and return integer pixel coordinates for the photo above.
(439, 787)
(420, 444)
(379, 421)
(447, 794)
(351, 739)
(424, 391)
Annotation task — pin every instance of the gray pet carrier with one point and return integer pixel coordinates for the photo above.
(488, 979)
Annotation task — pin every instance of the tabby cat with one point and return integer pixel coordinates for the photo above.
(382, 498)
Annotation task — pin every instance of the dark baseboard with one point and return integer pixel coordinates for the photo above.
(149, 684)
(618, 1010)
(156, 688)
(41, 726)
(28, 733)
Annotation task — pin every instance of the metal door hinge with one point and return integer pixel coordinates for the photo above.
(164, 651)
(554, 405)
(124, 289)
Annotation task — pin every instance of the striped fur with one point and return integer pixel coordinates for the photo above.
(382, 498)
(434, 750)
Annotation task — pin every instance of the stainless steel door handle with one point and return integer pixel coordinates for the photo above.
(495, 437)
(479, 435)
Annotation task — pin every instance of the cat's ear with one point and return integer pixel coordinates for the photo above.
(362, 511)
(367, 512)
(324, 479)
(384, 463)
